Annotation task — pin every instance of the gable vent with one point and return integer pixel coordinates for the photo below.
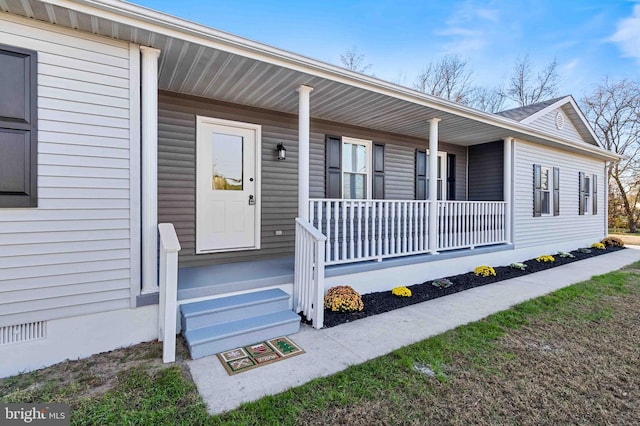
(23, 332)
(559, 120)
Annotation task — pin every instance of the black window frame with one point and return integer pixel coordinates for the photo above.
(27, 126)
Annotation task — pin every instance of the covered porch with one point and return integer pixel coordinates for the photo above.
(332, 231)
(185, 70)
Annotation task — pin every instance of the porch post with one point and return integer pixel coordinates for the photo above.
(506, 179)
(433, 185)
(303, 151)
(149, 132)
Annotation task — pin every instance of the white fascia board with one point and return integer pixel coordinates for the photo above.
(585, 121)
(161, 23)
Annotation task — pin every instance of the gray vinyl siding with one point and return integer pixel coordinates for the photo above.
(486, 165)
(177, 179)
(316, 164)
(532, 231)
(72, 254)
(399, 160)
(547, 123)
(461, 168)
(400, 169)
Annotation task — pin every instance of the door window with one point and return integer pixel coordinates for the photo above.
(226, 162)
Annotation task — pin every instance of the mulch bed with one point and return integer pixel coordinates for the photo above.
(384, 301)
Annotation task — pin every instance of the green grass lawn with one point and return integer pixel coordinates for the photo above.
(622, 231)
(569, 357)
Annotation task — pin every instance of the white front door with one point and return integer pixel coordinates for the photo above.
(227, 191)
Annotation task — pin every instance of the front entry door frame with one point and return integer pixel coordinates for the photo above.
(204, 164)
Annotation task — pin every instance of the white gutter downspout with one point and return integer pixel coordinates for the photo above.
(433, 185)
(149, 120)
(506, 178)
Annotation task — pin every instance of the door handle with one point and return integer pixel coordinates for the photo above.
(252, 200)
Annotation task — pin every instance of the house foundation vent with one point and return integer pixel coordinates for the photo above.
(23, 332)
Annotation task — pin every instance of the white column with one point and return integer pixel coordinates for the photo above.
(149, 119)
(433, 185)
(303, 151)
(506, 178)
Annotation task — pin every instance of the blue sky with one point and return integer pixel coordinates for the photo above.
(591, 39)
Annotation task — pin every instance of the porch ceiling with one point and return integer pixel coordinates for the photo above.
(199, 61)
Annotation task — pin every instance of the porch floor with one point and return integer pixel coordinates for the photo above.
(328, 351)
(211, 280)
(202, 281)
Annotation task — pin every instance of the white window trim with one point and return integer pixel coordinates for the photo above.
(549, 171)
(369, 179)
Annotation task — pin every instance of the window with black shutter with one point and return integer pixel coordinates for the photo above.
(581, 193)
(537, 190)
(378, 171)
(333, 160)
(546, 191)
(354, 168)
(421, 175)
(445, 182)
(587, 193)
(556, 191)
(18, 127)
(451, 177)
(594, 183)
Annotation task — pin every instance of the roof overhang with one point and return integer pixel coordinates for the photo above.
(201, 61)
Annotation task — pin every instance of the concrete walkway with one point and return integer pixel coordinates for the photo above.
(334, 349)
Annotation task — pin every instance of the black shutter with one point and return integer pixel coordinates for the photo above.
(556, 191)
(421, 175)
(18, 127)
(333, 156)
(378, 171)
(594, 183)
(451, 176)
(537, 190)
(581, 193)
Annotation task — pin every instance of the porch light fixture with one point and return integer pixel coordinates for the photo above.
(282, 151)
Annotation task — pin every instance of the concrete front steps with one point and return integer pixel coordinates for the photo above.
(213, 326)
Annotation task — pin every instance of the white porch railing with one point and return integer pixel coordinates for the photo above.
(308, 282)
(168, 281)
(464, 224)
(358, 230)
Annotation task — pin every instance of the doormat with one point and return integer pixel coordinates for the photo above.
(253, 356)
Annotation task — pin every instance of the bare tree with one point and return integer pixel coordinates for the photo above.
(353, 60)
(614, 112)
(484, 99)
(527, 87)
(449, 78)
